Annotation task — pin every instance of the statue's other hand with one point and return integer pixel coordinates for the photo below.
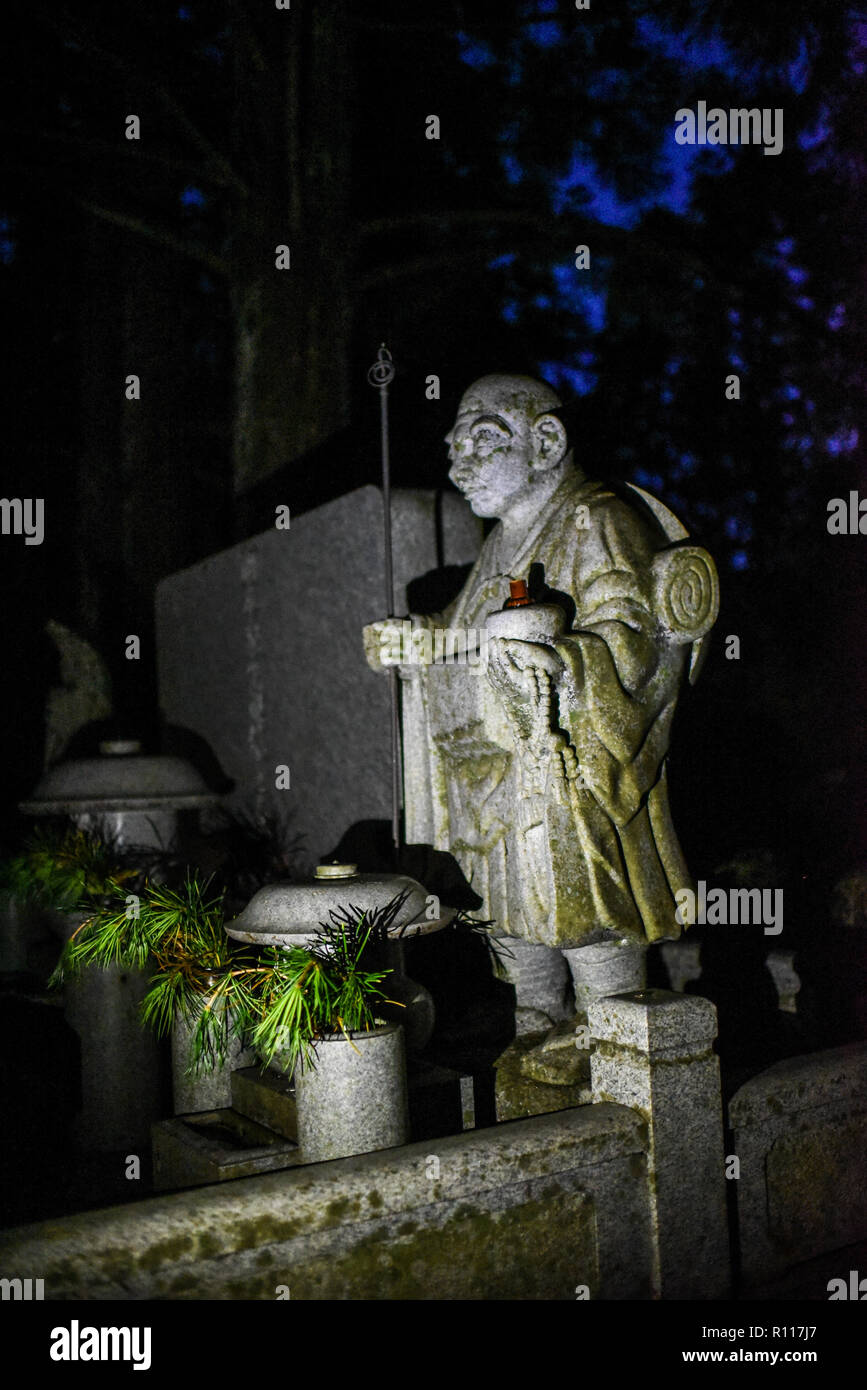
(383, 643)
(511, 665)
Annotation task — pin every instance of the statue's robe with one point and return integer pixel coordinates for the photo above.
(559, 862)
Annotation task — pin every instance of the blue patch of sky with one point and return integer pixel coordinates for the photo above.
(817, 134)
(605, 83)
(704, 52)
(799, 69)
(561, 374)
(474, 52)
(600, 201)
(511, 168)
(645, 479)
(193, 197)
(7, 241)
(514, 71)
(843, 442)
(547, 33)
(737, 529)
(580, 298)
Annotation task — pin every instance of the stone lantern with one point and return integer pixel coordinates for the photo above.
(130, 799)
(352, 1101)
(125, 796)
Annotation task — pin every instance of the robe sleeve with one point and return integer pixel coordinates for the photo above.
(616, 696)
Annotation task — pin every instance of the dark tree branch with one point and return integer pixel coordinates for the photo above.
(65, 28)
(193, 250)
(381, 225)
(129, 149)
(422, 265)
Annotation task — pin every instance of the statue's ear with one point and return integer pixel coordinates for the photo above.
(550, 444)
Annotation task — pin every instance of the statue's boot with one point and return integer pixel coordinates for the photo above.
(562, 1057)
(540, 976)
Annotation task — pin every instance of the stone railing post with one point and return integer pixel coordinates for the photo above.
(654, 1053)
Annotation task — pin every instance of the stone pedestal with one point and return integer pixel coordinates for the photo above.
(520, 1095)
(132, 800)
(654, 1053)
(268, 1098)
(215, 1146)
(210, 1090)
(354, 1100)
(120, 1080)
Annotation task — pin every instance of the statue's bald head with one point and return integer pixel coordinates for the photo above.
(510, 393)
(507, 443)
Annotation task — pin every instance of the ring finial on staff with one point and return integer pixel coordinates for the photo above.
(382, 371)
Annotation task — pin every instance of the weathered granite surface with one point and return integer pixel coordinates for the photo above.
(800, 1133)
(353, 1098)
(207, 1090)
(215, 1146)
(259, 654)
(654, 1052)
(520, 1094)
(268, 1098)
(533, 1209)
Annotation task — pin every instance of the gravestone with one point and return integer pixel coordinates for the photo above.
(260, 653)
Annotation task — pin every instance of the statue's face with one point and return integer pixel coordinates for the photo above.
(490, 451)
(495, 452)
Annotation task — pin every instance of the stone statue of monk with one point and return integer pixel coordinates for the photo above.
(536, 756)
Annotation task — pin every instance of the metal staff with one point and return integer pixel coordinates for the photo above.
(381, 375)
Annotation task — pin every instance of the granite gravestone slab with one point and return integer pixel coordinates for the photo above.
(260, 653)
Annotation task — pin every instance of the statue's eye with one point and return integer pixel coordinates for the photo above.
(486, 438)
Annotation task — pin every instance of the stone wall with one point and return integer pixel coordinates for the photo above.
(533, 1209)
(623, 1198)
(800, 1134)
(604, 1201)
